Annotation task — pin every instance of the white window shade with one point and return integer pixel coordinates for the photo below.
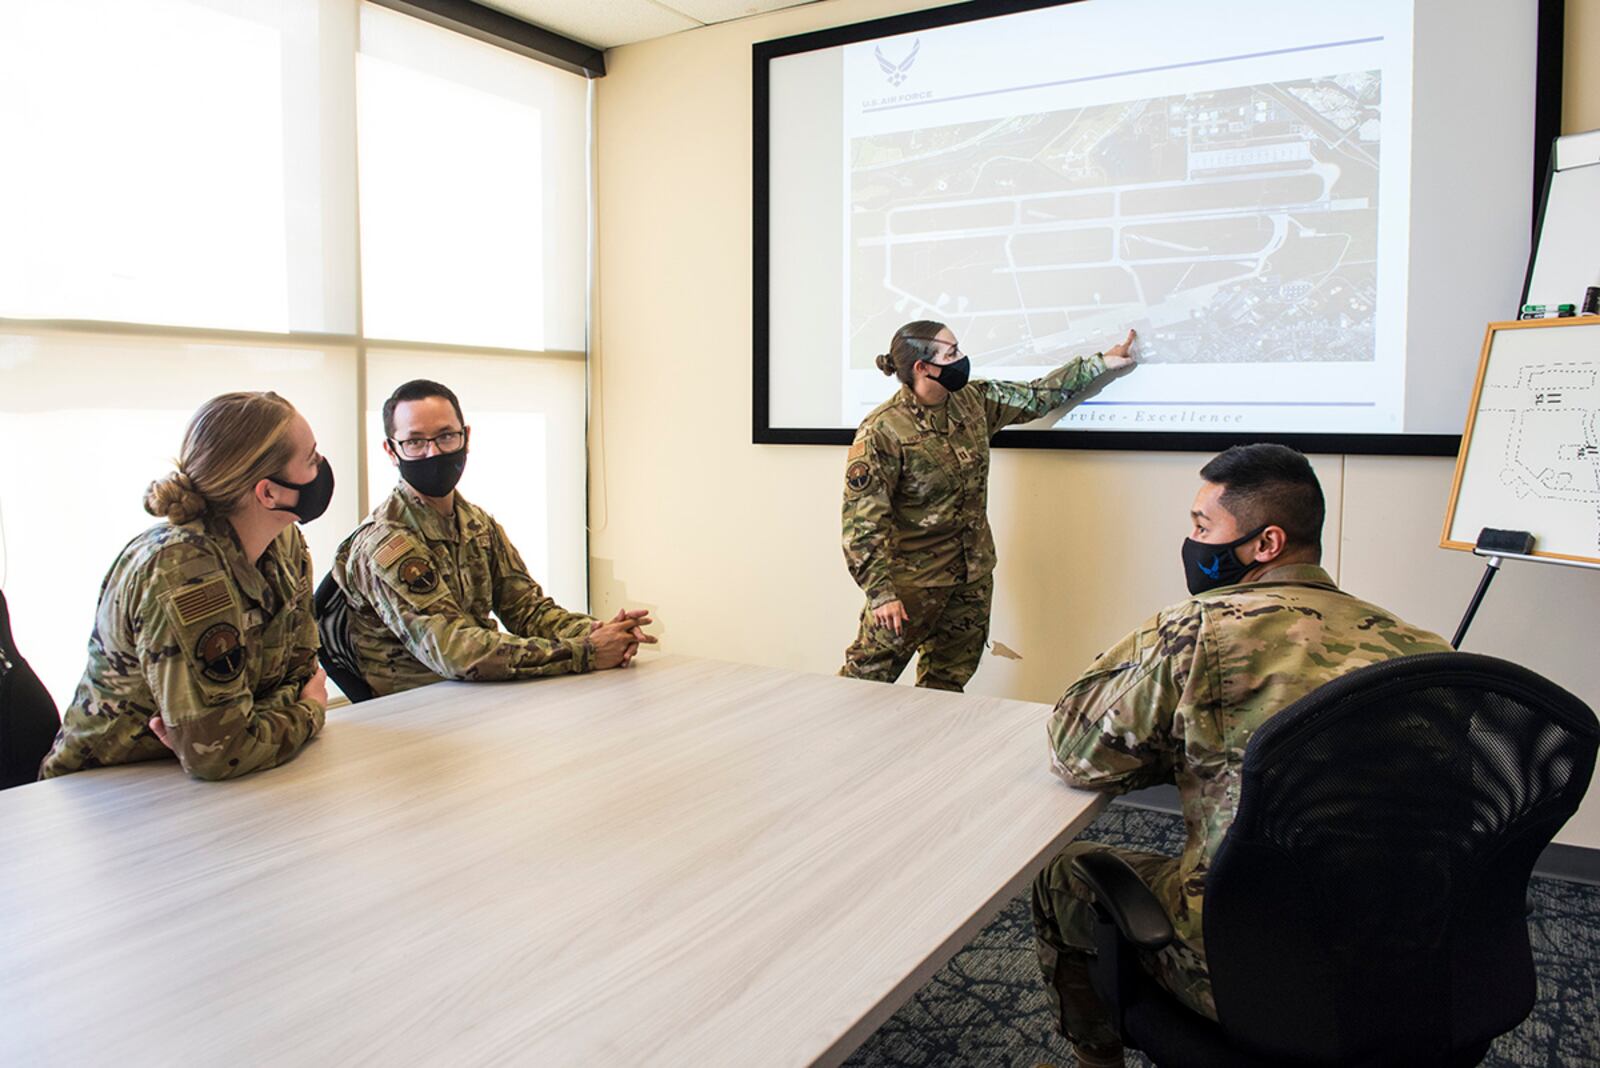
(527, 420)
(473, 178)
(181, 162)
(92, 419)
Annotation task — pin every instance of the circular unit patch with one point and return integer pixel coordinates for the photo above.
(418, 574)
(220, 651)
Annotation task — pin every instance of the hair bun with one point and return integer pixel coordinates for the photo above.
(174, 498)
(885, 363)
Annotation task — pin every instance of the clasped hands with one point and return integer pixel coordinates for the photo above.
(616, 641)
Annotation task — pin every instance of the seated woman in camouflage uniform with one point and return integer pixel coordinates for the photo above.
(916, 498)
(204, 645)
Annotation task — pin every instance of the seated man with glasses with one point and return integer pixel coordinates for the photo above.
(425, 571)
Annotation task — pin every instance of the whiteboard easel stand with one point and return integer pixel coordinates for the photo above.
(1567, 341)
(1494, 559)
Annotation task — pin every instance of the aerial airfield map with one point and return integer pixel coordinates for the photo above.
(1232, 225)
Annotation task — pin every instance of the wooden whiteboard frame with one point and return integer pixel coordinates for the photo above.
(1445, 541)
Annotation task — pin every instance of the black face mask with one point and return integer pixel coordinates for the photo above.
(435, 476)
(314, 495)
(953, 376)
(1207, 566)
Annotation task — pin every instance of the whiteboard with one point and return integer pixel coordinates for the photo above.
(1567, 260)
(1530, 455)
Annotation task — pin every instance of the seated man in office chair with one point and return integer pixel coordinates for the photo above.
(1177, 700)
(425, 573)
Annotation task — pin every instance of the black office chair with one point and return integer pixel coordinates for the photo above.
(1368, 906)
(28, 719)
(338, 656)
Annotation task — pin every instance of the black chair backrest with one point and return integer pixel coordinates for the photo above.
(1370, 896)
(28, 719)
(338, 655)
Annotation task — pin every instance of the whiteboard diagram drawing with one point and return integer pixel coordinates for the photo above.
(1530, 456)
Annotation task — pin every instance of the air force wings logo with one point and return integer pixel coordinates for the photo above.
(898, 72)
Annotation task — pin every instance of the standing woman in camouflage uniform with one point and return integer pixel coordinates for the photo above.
(204, 645)
(916, 488)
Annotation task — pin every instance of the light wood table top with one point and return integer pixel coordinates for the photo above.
(689, 862)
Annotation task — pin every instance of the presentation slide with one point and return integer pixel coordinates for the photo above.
(1306, 210)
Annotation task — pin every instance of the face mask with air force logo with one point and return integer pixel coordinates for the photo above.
(1207, 566)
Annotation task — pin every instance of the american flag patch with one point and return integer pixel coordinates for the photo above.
(195, 603)
(391, 550)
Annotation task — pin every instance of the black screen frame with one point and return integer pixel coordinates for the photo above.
(1551, 16)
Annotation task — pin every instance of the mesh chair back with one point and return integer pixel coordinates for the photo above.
(337, 654)
(28, 719)
(1369, 900)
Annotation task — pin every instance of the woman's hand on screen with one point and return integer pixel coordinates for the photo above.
(1120, 356)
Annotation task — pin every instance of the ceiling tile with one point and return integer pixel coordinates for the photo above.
(723, 10)
(605, 24)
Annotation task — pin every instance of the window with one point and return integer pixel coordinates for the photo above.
(167, 163)
(182, 217)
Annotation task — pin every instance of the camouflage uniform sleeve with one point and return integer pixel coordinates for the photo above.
(305, 640)
(194, 660)
(521, 603)
(1005, 403)
(871, 473)
(403, 587)
(1114, 728)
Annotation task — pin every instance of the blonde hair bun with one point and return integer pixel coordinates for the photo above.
(174, 499)
(232, 442)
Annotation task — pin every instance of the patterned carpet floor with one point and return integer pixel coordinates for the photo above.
(987, 1006)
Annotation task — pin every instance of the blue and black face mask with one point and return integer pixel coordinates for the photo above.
(1207, 566)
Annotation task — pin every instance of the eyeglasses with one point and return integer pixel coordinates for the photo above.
(955, 352)
(417, 448)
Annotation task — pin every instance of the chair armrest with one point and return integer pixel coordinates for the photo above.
(1131, 905)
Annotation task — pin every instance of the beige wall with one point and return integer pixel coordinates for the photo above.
(737, 545)
(1580, 81)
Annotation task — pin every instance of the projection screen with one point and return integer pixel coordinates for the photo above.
(1308, 211)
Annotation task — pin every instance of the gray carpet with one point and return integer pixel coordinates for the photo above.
(987, 1007)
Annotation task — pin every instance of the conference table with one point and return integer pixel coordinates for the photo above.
(686, 862)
